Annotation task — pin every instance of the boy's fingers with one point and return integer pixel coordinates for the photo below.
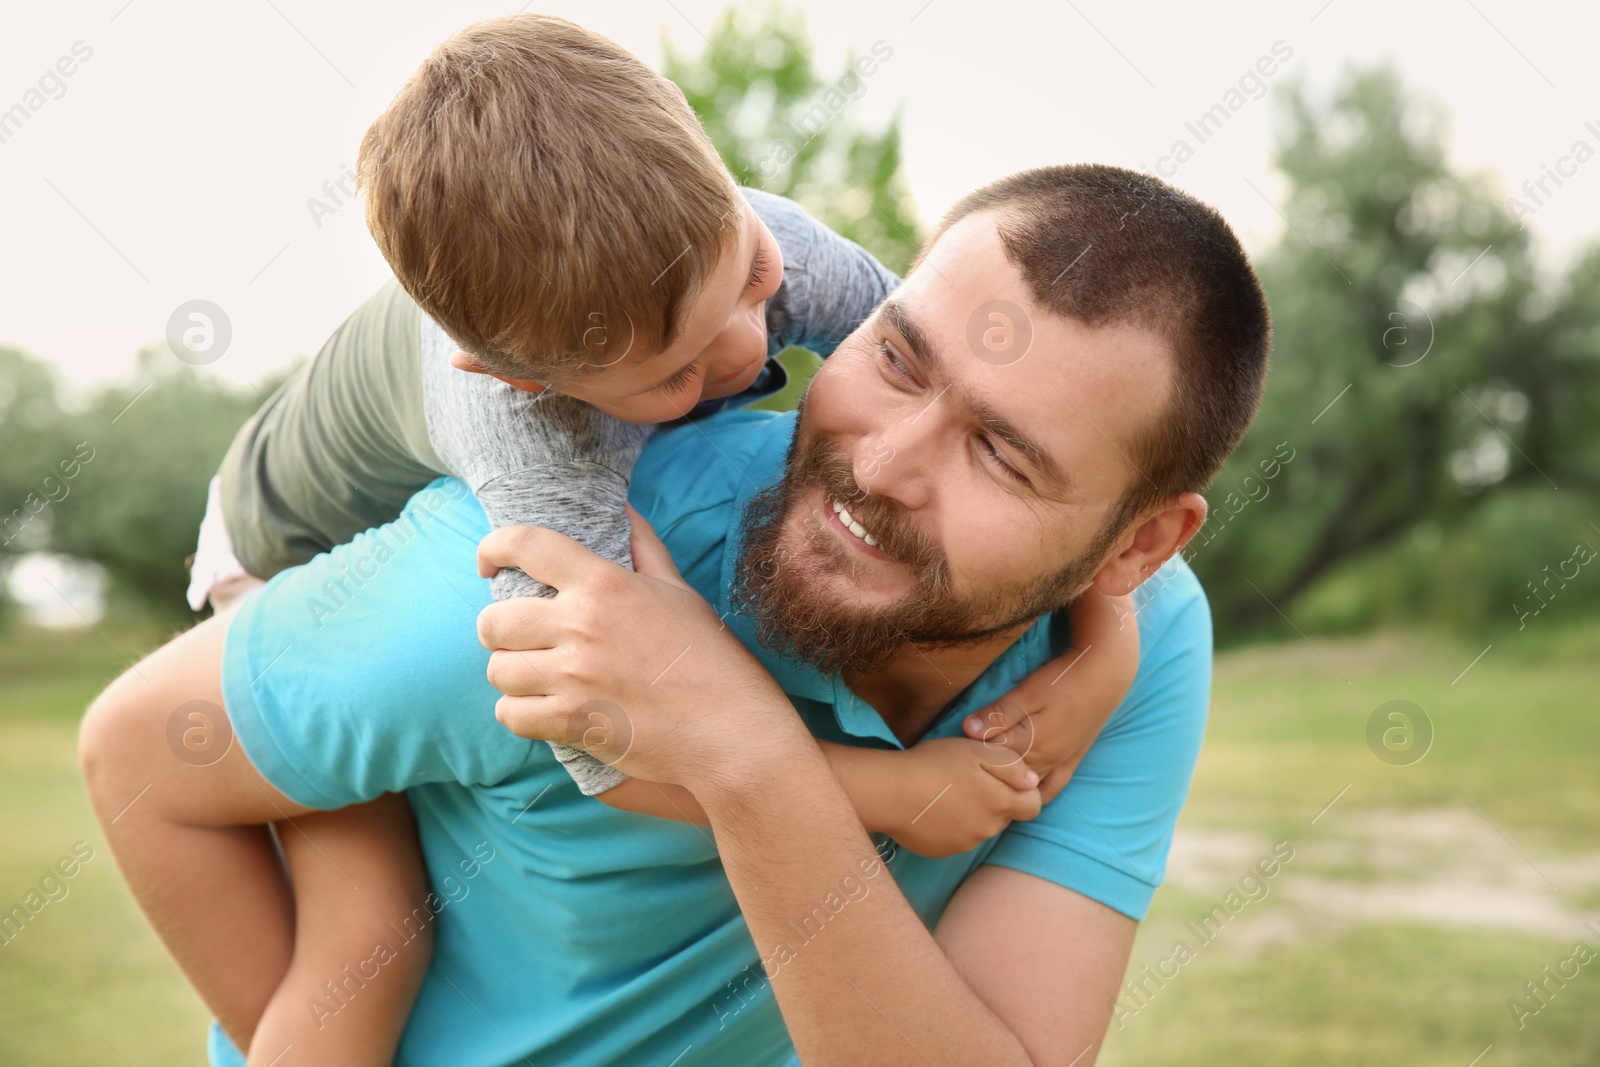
(990, 723)
(1057, 780)
(1018, 775)
(1025, 805)
(1012, 745)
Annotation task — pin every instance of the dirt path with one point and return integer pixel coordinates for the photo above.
(1440, 867)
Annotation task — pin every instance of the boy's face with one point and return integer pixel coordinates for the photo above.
(719, 352)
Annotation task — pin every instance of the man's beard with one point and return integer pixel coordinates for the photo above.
(782, 587)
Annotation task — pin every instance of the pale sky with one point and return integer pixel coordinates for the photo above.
(178, 161)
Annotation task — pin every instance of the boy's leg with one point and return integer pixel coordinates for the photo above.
(363, 938)
(188, 825)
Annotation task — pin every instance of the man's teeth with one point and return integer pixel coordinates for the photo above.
(853, 526)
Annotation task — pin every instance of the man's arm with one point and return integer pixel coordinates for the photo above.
(1021, 972)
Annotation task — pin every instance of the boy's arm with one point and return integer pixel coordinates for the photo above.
(830, 283)
(1054, 714)
(534, 459)
(937, 798)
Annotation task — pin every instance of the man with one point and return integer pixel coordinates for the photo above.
(996, 480)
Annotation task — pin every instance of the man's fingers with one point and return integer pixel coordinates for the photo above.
(524, 622)
(650, 555)
(537, 718)
(545, 555)
(518, 674)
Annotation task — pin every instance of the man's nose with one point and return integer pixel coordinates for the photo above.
(899, 462)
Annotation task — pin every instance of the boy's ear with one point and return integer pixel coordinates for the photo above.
(1146, 546)
(462, 361)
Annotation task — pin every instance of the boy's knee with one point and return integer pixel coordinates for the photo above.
(105, 738)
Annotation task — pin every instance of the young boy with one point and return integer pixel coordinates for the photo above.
(573, 264)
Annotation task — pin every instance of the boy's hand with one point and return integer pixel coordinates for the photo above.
(952, 795)
(1054, 714)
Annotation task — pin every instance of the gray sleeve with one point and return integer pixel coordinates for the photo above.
(830, 283)
(536, 460)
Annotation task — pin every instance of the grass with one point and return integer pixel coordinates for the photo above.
(1514, 745)
(1388, 994)
(85, 981)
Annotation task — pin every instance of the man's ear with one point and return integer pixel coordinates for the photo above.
(462, 361)
(1142, 550)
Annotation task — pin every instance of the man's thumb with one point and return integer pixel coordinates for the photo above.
(650, 556)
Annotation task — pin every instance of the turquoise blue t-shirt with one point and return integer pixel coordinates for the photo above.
(567, 932)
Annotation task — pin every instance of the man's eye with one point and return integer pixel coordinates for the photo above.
(999, 460)
(892, 358)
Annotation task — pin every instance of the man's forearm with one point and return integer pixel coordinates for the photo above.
(874, 987)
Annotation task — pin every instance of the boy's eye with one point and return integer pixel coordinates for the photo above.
(759, 268)
(678, 382)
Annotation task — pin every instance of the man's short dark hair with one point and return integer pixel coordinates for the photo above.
(1108, 247)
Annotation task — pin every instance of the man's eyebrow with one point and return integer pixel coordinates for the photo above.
(933, 358)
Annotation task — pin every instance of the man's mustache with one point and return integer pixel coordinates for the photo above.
(820, 463)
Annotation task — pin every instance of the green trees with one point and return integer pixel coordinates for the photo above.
(121, 480)
(1424, 374)
(782, 129)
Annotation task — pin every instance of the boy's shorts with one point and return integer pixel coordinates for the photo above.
(216, 574)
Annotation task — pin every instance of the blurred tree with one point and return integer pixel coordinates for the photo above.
(1419, 362)
(121, 480)
(33, 440)
(782, 129)
(136, 506)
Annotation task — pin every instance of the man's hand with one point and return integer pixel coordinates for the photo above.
(634, 667)
(952, 795)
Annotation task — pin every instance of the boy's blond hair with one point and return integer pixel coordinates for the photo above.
(547, 198)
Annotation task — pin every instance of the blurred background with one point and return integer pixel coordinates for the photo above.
(1398, 558)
